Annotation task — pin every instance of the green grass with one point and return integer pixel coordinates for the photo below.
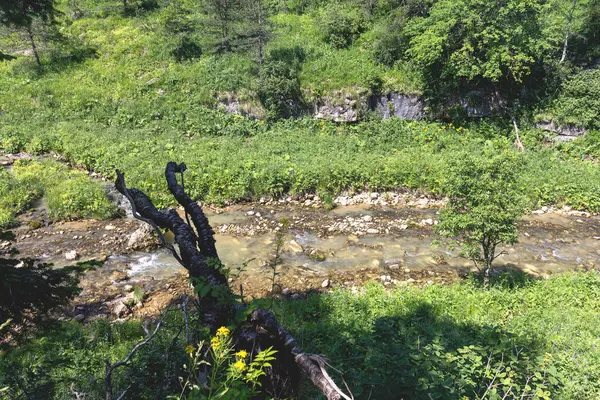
(407, 342)
(232, 158)
(414, 342)
(15, 197)
(68, 194)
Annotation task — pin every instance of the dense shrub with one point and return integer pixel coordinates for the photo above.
(279, 90)
(341, 25)
(390, 44)
(579, 103)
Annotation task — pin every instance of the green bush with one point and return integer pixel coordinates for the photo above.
(579, 102)
(341, 25)
(390, 44)
(279, 90)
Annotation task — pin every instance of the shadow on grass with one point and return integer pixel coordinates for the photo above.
(409, 347)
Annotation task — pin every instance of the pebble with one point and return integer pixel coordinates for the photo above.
(326, 283)
(109, 227)
(286, 291)
(79, 317)
(295, 247)
(367, 218)
(372, 231)
(374, 195)
(250, 213)
(71, 255)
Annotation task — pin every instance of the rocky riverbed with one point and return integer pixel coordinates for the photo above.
(367, 236)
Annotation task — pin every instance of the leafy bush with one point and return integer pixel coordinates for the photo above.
(484, 206)
(341, 25)
(579, 102)
(390, 44)
(279, 90)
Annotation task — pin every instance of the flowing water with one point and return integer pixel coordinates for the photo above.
(548, 243)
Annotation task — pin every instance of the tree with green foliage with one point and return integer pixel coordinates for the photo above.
(21, 14)
(565, 20)
(256, 29)
(484, 206)
(224, 14)
(477, 43)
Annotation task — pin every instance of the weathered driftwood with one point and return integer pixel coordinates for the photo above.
(198, 254)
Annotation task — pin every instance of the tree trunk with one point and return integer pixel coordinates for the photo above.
(518, 143)
(261, 329)
(33, 46)
(568, 34)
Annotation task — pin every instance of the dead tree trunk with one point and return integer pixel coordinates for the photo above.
(198, 254)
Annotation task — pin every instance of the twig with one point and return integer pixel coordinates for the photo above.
(111, 367)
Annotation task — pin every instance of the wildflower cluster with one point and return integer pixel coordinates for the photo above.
(229, 372)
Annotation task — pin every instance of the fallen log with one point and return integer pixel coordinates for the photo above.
(198, 254)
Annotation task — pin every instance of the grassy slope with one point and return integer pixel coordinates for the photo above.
(134, 108)
(406, 342)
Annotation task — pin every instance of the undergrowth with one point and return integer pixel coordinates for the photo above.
(523, 336)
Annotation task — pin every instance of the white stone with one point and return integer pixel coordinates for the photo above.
(372, 231)
(295, 246)
(71, 255)
(326, 283)
(250, 213)
(367, 218)
(110, 227)
(374, 195)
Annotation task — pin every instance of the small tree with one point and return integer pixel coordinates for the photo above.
(224, 16)
(20, 14)
(484, 206)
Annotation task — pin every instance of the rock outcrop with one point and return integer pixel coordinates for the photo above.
(565, 132)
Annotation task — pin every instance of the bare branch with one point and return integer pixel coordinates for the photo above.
(111, 367)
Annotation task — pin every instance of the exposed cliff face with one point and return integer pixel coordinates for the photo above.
(403, 106)
(339, 109)
(565, 132)
(348, 108)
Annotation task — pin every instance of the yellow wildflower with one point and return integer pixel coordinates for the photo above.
(215, 343)
(190, 349)
(241, 354)
(239, 365)
(223, 331)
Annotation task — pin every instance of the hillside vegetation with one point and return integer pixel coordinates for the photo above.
(134, 87)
